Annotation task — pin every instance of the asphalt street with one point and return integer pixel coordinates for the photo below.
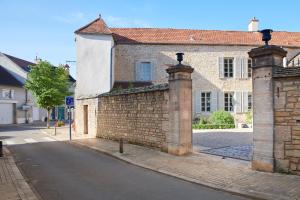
(58, 170)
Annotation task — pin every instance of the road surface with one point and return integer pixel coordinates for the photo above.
(61, 171)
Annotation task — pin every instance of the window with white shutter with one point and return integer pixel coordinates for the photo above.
(144, 71)
(228, 67)
(8, 94)
(205, 101)
(228, 101)
(249, 67)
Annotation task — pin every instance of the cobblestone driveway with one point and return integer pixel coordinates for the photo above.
(235, 143)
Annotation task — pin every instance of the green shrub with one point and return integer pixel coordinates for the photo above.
(249, 117)
(221, 117)
(203, 120)
(213, 126)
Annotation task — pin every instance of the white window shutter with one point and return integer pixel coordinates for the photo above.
(245, 102)
(221, 67)
(237, 102)
(237, 67)
(12, 93)
(152, 72)
(214, 101)
(245, 68)
(197, 101)
(137, 71)
(221, 100)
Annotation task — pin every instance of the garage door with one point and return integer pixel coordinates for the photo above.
(6, 113)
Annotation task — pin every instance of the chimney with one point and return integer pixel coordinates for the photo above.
(253, 25)
(67, 68)
(37, 60)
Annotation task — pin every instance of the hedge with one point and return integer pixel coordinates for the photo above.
(213, 126)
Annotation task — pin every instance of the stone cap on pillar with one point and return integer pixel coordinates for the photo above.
(179, 67)
(267, 56)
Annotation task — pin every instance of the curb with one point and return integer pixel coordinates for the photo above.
(253, 194)
(22, 186)
(231, 189)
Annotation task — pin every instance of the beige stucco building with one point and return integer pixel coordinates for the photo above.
(109, 58)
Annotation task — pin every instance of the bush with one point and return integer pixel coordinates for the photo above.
(221, 117)
(60, 123)
(218, 120)
(213, 126)
(249, 117)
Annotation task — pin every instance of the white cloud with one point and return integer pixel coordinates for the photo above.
(71, 18)
(125, 22)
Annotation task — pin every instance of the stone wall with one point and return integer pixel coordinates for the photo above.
(287, 124)
(140, 116)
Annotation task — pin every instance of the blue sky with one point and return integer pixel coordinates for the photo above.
(46, 28)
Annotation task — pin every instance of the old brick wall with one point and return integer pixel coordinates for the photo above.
(140, 116)
(287, 124)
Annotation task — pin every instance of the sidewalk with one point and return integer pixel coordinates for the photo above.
(12, 184)
(213, 171)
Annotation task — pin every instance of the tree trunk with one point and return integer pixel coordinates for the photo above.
(48, 118)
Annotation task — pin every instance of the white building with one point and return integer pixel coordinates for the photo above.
(17, 105)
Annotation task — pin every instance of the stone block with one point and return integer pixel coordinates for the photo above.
(282, 133)
(282, 165)
(292, 153)
(262, 166)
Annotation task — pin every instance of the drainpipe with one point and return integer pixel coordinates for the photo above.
(111, 67)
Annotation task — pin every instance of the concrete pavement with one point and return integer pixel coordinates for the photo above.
(12, 184)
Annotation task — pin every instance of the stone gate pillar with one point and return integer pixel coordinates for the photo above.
(264, 59)
(179, 138)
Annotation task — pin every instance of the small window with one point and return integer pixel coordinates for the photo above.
(7, 94)
(205, 101)
(249, 68)
(144, 71)
(249, 102)
(228, 101)
(228, 67)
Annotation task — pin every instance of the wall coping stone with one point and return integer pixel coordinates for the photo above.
(151, 88)
(281, 72)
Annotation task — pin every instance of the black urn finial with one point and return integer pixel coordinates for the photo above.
(266, 35)
(179, 57)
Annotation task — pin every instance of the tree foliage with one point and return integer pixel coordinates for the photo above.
(48, 84)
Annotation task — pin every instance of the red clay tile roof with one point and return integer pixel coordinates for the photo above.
(96, 26)
(187, 36)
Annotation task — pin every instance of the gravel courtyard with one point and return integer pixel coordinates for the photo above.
(232, 143)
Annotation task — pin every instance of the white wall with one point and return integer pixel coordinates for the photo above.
(93, 64)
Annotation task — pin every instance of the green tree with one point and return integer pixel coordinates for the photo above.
(49, 85)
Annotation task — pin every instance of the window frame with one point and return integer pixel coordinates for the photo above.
(9, 92)
(228, 67)
(138, 76)
(228, 105)
(250, 103)
(249, 67)
(205, 101)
